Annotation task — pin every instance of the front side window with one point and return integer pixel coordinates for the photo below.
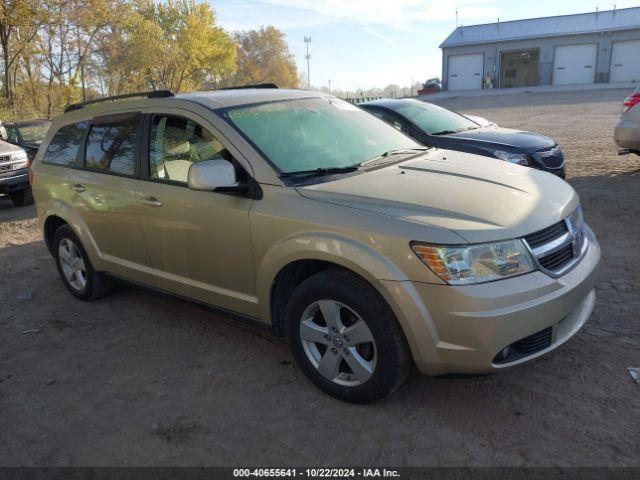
(315, 133)
(65, 144)
(12, 135)
(433, 119)
(111, 145)
(178, 142)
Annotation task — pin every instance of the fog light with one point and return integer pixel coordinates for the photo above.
(506, 351)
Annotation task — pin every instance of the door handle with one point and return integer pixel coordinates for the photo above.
(151, 202)
(77, 188)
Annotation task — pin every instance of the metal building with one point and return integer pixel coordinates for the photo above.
(585, 48)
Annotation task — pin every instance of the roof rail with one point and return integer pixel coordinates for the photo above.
(259, 85)
(150, 94)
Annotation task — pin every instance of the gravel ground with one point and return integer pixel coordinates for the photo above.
(143, 379)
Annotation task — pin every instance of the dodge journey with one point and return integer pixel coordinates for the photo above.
(297, 210)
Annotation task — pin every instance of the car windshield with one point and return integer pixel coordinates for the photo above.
(433, 119)
(34, 132)
(315, 133)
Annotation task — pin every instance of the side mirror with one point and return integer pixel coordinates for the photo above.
(213, 175)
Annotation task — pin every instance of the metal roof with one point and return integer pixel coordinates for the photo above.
(620, 19)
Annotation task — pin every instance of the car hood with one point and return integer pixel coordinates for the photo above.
(497, 136)
(7, 148)
(479, 198)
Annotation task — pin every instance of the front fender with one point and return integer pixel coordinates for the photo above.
(366, 262)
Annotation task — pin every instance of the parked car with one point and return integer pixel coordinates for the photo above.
(14, 174)
(27, 134)
(627, 132)
(301, 212)
(438, 127)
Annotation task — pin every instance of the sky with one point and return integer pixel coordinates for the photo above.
(374, 43)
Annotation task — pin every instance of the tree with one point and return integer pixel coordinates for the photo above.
(179, 46)
(19, 24)
(263, 57)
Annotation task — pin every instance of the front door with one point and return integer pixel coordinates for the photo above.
(198, 242)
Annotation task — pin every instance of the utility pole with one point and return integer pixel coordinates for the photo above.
(329, 86)
(307, 40)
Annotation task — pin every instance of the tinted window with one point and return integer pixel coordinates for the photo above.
(176, 143)
(313, 133)
(12, 135)
(111, 145)
(390, 119)
(64, 146)
(433, 119)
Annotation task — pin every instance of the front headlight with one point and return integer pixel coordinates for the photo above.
(517, 158)
(21, 159)
(463, 265)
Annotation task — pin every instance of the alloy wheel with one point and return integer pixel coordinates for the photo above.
(338, 343)
(72, 264)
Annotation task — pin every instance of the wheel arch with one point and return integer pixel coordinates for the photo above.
(294, 259)
(59, 213)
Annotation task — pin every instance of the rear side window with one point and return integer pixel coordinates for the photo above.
(111, 145)
(64, 146)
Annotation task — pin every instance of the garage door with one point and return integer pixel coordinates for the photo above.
(625, 61)
(575, 64)
(465, 72)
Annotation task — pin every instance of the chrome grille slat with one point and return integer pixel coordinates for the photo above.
(558, 247)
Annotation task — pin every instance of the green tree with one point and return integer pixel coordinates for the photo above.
(19, 24)
(263, 56)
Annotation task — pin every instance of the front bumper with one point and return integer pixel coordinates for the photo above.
(14, 181)
(461, 329)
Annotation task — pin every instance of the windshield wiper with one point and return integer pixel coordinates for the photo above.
(390, 153)
(448, 132)
(319, 172)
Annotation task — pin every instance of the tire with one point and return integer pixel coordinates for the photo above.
(88, 286)
(22, 198)
(379, 366)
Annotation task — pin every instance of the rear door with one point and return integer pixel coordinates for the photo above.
(104, 193)
(199, 242)
(575, 64)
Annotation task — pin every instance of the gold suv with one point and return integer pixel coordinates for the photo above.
(304, 213)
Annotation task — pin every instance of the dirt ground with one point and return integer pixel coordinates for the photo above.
(142, 379)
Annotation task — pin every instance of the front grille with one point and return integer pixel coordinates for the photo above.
(5, 168)
(558, 246)
(558, 259)
(550, 158)
(546, 235)
(5, 158)
(534, 343)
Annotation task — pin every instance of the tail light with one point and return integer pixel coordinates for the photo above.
(632, 100)
(30, 174)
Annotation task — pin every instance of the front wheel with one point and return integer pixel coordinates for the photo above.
(345, 338)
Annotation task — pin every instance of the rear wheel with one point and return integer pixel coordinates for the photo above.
(22, 198)
(345, 338)
(76, 269)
